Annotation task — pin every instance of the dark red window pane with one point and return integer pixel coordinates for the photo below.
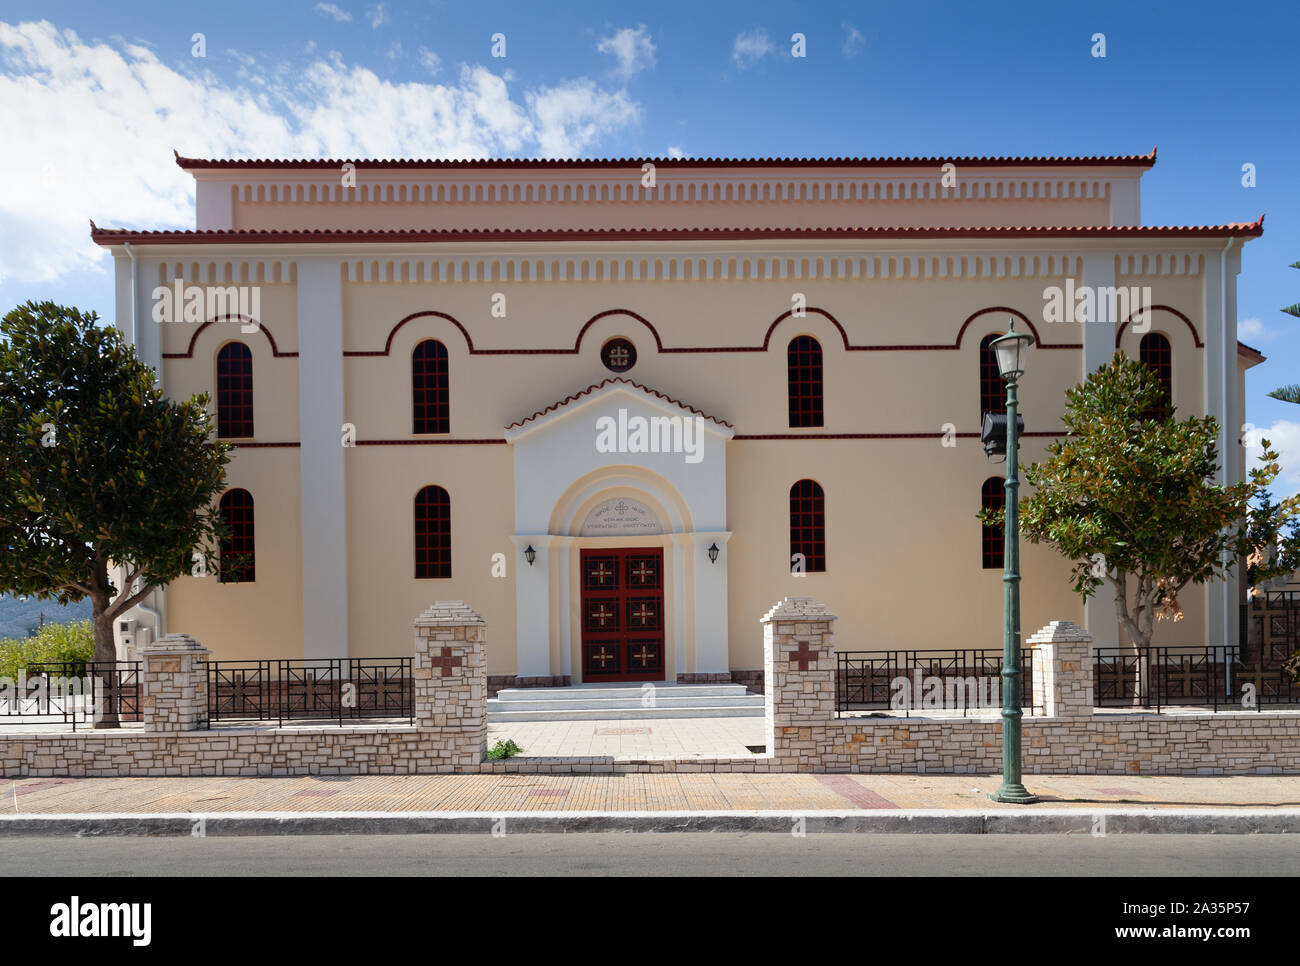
(808, 525)
(993, 496)
(432, 406)
(432, 533)
(234, 391)
(1154, 351)
(804, 378)
(993, 392)
(238, 553)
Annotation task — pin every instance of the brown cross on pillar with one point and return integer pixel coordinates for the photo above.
(803, 656)
(446, 660)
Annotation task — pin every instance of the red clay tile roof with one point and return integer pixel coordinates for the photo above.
(487, 164)
(114, 236)
(1248, 350)
(610, 382)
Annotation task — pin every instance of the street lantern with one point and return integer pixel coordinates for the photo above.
(1010, 352)
(713, 553)
(530, 554)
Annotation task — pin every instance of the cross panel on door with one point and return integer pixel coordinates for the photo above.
(622, 614)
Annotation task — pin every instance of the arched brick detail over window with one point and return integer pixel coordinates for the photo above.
(234, 391)
(804, 381)
(429, 394)
(993, 397)
(238, 561)
(993, 496)
(808, 525)
(1154, 351)
(432, 533)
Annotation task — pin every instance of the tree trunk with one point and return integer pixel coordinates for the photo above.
(105, 651)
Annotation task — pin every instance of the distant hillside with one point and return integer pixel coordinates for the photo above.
(18, 618)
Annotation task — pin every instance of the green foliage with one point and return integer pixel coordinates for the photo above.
(1130, 499)
(74, 641)
(1293, 309)
(1290, 393)
(504, 749)
(97, 467)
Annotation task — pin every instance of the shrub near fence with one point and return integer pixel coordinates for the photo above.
(68, 642)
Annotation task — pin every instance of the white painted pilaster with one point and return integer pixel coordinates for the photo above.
(214, 207)
(1098, 349)
(533, 604)
(1220, 360)
(711, 652)
(324, 494)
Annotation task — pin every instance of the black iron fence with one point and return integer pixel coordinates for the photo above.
(73, 693)
(321, 689)
(911, 682)
(1212, 676)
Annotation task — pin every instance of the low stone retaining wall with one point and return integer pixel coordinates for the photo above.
(803, 732)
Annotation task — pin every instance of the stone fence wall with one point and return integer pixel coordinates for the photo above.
(803, 732)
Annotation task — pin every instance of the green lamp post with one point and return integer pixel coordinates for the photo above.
(1010, 352)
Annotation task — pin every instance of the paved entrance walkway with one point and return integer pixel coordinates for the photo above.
(633, 739)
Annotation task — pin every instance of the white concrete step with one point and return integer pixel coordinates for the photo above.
(623, 692)
(625, 701)
(624, 714)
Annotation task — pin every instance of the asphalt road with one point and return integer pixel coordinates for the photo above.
(659, 854)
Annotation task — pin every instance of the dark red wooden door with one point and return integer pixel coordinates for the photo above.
(623, 615)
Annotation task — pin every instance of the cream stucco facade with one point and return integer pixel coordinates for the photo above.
(523, 271)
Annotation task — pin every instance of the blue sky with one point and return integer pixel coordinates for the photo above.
(93, 102)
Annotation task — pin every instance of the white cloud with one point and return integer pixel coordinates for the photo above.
(633, 48)
(853, 40)
(572, 116)
(377, 16)
(99, 122)
(1284, 436)
(675, 152)
(1254, 328)
(430, 61)
(333, 12)
(750, 48)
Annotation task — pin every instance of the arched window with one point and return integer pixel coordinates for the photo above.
(432, 533)
(808, 525)
(993, 397)
(804, 380)
(1154, 351)
(993, 496)
(234, 391)
(238, 561)
(432, 408)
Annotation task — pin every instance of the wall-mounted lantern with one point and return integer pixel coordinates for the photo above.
(713, 553)
(530, 554)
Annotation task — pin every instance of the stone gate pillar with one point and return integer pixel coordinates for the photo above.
(451, 681)
(799, 668)
(1062, 683)
(174, 689)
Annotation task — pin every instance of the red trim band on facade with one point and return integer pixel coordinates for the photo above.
(255, 236)
(1196, 336)
(617, 382)
(937, 435)
(189, 351)
(428, 442)
(659, 345)
(265, 445)
(562, 164)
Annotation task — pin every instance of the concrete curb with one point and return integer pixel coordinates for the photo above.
(1099, 821)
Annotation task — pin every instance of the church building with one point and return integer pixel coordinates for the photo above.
(620, 407)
